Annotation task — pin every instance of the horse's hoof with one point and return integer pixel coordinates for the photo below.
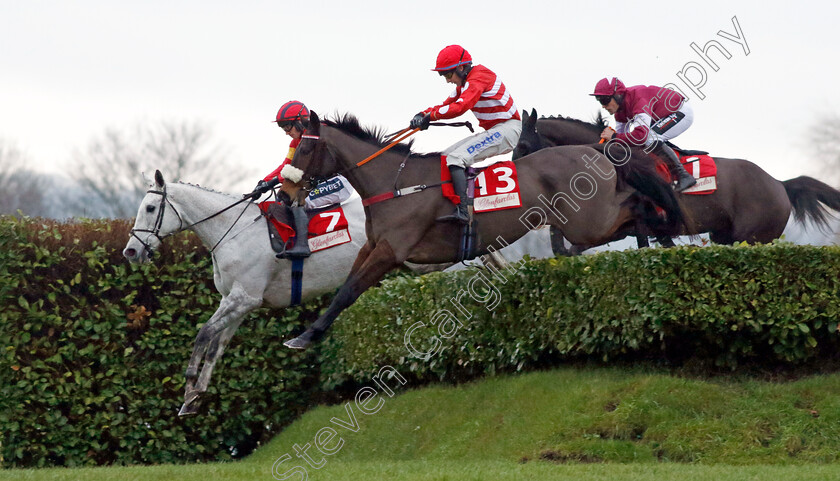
(297, 343)
(191, 404)
(191, 396)
(188, 410)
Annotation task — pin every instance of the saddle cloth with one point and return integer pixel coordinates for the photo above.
(328, 227)
(494, 187)
(701, 166)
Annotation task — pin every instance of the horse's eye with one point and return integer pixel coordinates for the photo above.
(150, 208)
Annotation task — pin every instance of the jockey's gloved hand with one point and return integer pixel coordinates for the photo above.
(262, 187)
(420, 121)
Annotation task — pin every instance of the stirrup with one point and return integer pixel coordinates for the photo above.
(684, 182)
(295, 253)
(455, 216)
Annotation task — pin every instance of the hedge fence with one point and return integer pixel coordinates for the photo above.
(770, 304)
(93, 349)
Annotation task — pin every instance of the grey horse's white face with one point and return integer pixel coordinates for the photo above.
(156, 218)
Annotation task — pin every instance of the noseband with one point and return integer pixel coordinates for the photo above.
(155, 230)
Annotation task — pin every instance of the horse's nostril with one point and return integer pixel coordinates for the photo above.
(130, 253)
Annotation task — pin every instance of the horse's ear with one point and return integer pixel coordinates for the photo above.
(314, 123)
(524, 117)
(159, 179)
(530, 122)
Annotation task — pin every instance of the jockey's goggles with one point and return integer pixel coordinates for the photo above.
(447, 74)
(603, 99)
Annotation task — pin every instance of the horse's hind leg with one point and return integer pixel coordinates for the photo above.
(558, 243)
(665, 241)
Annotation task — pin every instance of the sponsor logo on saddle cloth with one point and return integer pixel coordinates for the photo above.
(326, 229)
(702, 167)
(497, 188)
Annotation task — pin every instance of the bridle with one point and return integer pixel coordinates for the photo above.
(155, 230)
(393, 139)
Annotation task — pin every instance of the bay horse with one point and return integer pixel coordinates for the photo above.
(245, 270)
(403, 228)
(749, 205)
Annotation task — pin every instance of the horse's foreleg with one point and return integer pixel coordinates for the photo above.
(217, 348)
(216, 333)
(378, 261)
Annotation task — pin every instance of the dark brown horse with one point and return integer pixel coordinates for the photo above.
(558, 186)
(749, 205)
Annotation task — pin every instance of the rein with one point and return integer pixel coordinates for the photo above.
(407, 132)
(397, 137)
(155, 230)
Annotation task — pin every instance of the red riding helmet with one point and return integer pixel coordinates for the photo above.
(450, 57)
(606, 87)
(292, 111)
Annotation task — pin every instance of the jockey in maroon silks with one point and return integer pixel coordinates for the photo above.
(477, 89)
(293, 118)
(648, 116)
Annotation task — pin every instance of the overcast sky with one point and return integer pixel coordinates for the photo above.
(69, 70)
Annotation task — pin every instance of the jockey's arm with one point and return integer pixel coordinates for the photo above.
(635, 131)
(455, 107)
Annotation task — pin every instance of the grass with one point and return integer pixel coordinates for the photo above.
(440, 470)
(590, 423)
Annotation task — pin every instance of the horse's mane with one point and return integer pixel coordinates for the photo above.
(596, 124)
(206, 189)
(349, 124)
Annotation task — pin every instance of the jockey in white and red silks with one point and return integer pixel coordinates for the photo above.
(648, 116)
(477, 89)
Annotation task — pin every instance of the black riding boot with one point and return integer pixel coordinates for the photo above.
(301, 248)
(459, 182)
(684, 179)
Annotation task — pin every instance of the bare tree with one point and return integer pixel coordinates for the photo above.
(109, 171)
(21, 189)
(824, 140)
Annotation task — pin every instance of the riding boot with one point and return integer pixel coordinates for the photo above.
(684, 179)
(459, 182)
(301, 247)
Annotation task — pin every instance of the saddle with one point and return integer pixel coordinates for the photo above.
(279, 219)
(699, 164)
(489, 188)
(685, 152)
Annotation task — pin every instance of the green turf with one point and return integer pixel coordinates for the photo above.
(592, 415)
(442, 470)
(572, 423)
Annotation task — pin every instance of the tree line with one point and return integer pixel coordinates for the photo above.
(104, 179)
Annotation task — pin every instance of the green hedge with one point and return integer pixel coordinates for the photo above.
(773, 304)
(93, 351)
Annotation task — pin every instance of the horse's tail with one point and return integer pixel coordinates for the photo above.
(810, 197)
(640, 173)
